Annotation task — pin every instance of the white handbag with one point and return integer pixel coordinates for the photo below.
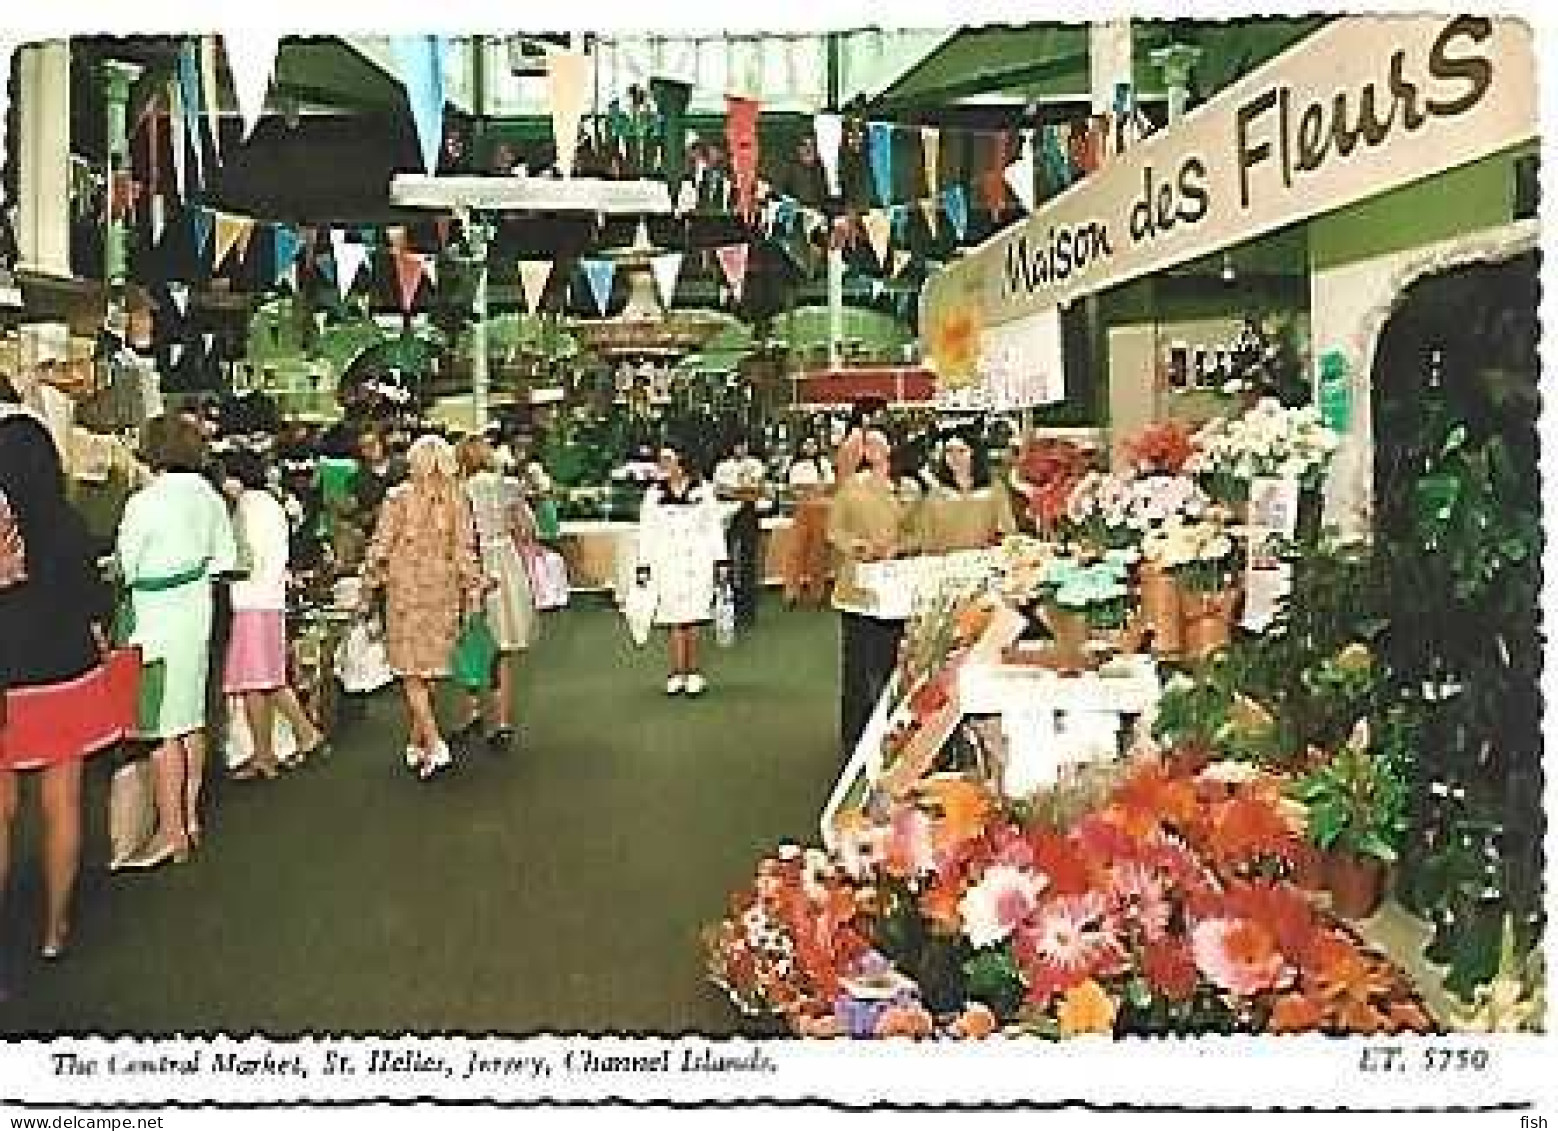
(638, 607)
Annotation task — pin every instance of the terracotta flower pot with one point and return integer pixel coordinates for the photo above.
(1356, 883)
(1162, 610)
(1071, 634)
(1208, 622)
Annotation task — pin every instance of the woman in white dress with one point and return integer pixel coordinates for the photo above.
(505, 533)
(681, 556)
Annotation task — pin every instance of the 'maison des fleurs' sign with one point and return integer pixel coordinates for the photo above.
(1364, 105)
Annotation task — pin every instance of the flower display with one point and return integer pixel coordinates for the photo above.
(1045, 472)
(1162, 449)
(1164, 906)
(1268, 440)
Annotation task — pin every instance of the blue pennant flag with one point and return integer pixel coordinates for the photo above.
(599, 273)
(420, 59)
(954, 199)
(899, 215)
(369, 236)
(288, 243)
(325, 265)
(880, 136)
(203, 224)
(1057, 163)
(189, 95)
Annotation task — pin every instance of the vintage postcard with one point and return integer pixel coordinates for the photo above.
(842, 557)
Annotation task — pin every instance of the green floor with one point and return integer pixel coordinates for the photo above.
(560, 888)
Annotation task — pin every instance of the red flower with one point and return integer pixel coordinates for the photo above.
(1066, 943)
(1102, 839)
(1169, 969)
(1059, 859)
(1283, 910)
(1246, 829)
(1162, 449)
(1239, 956)
(1160, 796)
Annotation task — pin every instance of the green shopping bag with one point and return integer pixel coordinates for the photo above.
(474, 652)
(548, 526)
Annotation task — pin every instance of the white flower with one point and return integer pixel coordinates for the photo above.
(1002, 899)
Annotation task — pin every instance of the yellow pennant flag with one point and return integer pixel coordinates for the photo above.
(879, 230)
(932, 210)
(229, 230)
(930, 143)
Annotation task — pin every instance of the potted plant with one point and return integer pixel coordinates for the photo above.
(1198, 555)
(1357, 815)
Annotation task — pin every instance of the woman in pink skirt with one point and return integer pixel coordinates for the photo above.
(256, 666)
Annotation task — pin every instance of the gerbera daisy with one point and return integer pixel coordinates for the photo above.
(1239, 956)
(1137, 896)
(1003, 899)
(1067, 943)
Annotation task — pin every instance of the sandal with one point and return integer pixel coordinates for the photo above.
(250, 771)
(298, 757)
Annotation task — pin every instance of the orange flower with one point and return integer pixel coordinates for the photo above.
(1247, 829)
(975, 1023)
(964, 808)
(1162, 449)
(904, 1021)
(1239, 956)
(1169, 969)
(1153, 792)
(941, 901)
(1295, 1013)
(1086, 1008)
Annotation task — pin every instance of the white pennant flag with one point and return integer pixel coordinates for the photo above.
(159, 218)
(209, 339)
(901, 259)
(667, 269)
(430, 269)
(930, 148)
(176, 136)
(251, 57)
(686, 199)
(179, 293)
(1019, 174)
(879, 230)
(534, 274)
(829, 129)
(349, 257)
(209, 85)
(175, 353)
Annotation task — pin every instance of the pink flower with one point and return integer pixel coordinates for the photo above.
(1068, 943)
(1136, 895)
(1239, 955)
(910, 851)
(1002, 900)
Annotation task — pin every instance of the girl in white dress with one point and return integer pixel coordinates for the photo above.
(681, 556)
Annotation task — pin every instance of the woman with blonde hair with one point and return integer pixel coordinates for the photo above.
(423, 557)
(505, 534)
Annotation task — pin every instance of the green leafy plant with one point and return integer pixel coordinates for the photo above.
(1356, 801)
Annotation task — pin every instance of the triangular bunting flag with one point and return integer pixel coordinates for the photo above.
(733, 263)
(203, 224)
(208, 82)
(901, 259)
(175, 353)
(251, 59)
(208, 339)
(420, 60)
(228, 230)
(932, 212)
(879, 227)
(245, 237)
(879, 142)
(159, 218)
(567, 82)
(287, 245)
(667, 269)
(954, 199)
(533, 277)
(829, 129)
(784, 215)
(878, 288)
(179, 293)
(349, 258)
(189, 87)
(930, 147)
(687, 198)
(176, 140)
(408, 278)
(599, 273)
(430, 269)
(1020, 173)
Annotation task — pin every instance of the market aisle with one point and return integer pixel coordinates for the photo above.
(561, 887)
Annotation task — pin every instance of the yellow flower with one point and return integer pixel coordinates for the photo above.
(1355, 658)
(1086, 1009)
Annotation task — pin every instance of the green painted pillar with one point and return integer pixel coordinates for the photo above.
(117, 78)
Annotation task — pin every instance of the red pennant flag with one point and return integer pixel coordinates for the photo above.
(733, 262)
(741, 137)
(408, 278)
(993, 179)
(442, 224)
